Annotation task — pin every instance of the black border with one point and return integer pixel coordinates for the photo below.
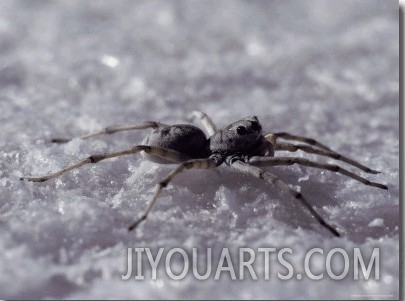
(401, 149)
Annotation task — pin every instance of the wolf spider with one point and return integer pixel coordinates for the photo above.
(240, 145)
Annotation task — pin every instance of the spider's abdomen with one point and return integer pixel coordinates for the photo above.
(184, 138)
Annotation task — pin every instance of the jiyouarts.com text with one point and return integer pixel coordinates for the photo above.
(249, 263)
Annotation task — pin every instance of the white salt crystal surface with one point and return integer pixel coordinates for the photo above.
(325, 69)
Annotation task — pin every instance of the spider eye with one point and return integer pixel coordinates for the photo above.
(241, 130)
(256, 126)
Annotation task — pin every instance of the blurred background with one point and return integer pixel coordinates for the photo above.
(323, 69)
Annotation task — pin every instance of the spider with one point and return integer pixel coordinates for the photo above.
(240, 145)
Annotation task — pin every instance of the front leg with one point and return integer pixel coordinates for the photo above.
(277, 161)
(272, 137)
(334, 155)
(273, 179)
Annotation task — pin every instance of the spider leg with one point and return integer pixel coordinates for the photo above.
(308, 149)
(273, 137)
(170, 155)
(192, 164)
(273, 179)
(206, 121)
(114, 129)
(275, 161)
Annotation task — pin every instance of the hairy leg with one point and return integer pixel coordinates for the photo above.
(115, 129)
(274, 136)
(192, 164)
(170, 155)
(273, 179)
(308, 149)
(206, 121)
(275, 161)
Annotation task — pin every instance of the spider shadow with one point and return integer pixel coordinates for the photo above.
(252, 200)
(281, 207)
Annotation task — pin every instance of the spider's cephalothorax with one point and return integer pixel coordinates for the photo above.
(240, 139)
(240, 145)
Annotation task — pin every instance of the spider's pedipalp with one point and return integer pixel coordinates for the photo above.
(273, 179)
